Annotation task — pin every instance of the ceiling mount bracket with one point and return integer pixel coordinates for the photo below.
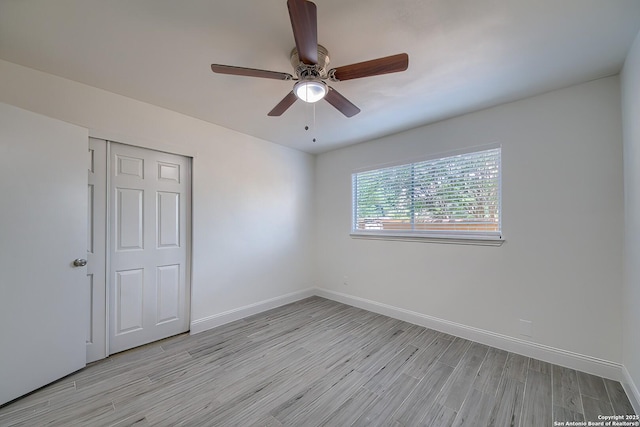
(317, 70)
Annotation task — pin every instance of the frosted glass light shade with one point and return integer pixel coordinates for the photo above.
(310, 90)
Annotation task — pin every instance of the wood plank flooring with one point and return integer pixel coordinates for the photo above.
(319, 363)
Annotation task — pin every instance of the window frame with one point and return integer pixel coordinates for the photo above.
(448, 237)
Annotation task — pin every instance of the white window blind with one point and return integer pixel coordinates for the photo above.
(454, 196)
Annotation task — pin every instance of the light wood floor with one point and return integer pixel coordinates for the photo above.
(318, 362)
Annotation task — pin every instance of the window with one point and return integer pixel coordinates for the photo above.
(455, 197)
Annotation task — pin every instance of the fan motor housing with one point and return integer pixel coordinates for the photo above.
(318, 70)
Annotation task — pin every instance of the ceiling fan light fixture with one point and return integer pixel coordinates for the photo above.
(311, 90)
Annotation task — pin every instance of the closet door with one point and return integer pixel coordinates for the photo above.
(96, 250)
(43, 208)
(149, 246)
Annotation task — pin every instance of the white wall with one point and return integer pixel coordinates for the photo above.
(252, 200)
(253, 212)
(630, 79)
(561, 265)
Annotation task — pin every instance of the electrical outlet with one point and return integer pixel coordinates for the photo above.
(526, 328)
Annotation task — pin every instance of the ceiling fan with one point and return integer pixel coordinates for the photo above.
(310, 61)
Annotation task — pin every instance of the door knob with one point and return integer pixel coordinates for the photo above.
(79, 262)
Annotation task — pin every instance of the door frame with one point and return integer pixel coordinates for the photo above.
(96, 252)
(169, 149)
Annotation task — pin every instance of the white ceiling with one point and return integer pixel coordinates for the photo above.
(464, 55)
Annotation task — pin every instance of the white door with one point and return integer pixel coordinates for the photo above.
(96, 251)
(149, 247)
(43, 208)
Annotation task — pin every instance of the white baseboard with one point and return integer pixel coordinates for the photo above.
(631, 389)
(206, 323)
(591, 365)
(569, 359)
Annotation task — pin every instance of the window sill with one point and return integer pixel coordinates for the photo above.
(430, 238)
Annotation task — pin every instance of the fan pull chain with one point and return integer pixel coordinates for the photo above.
(309, 113)
(314, 121)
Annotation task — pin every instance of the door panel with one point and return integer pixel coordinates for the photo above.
(129, 166)
(168, 219)
(43, 188)
(169, 172)
(168, 293)
(129, 219)
(89, 336)
(149, 256)
(128, 302)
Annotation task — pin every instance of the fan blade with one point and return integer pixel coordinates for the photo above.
(341, 103)
(304, 22)
(375, 67)
(283, 105)
(249, 72)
